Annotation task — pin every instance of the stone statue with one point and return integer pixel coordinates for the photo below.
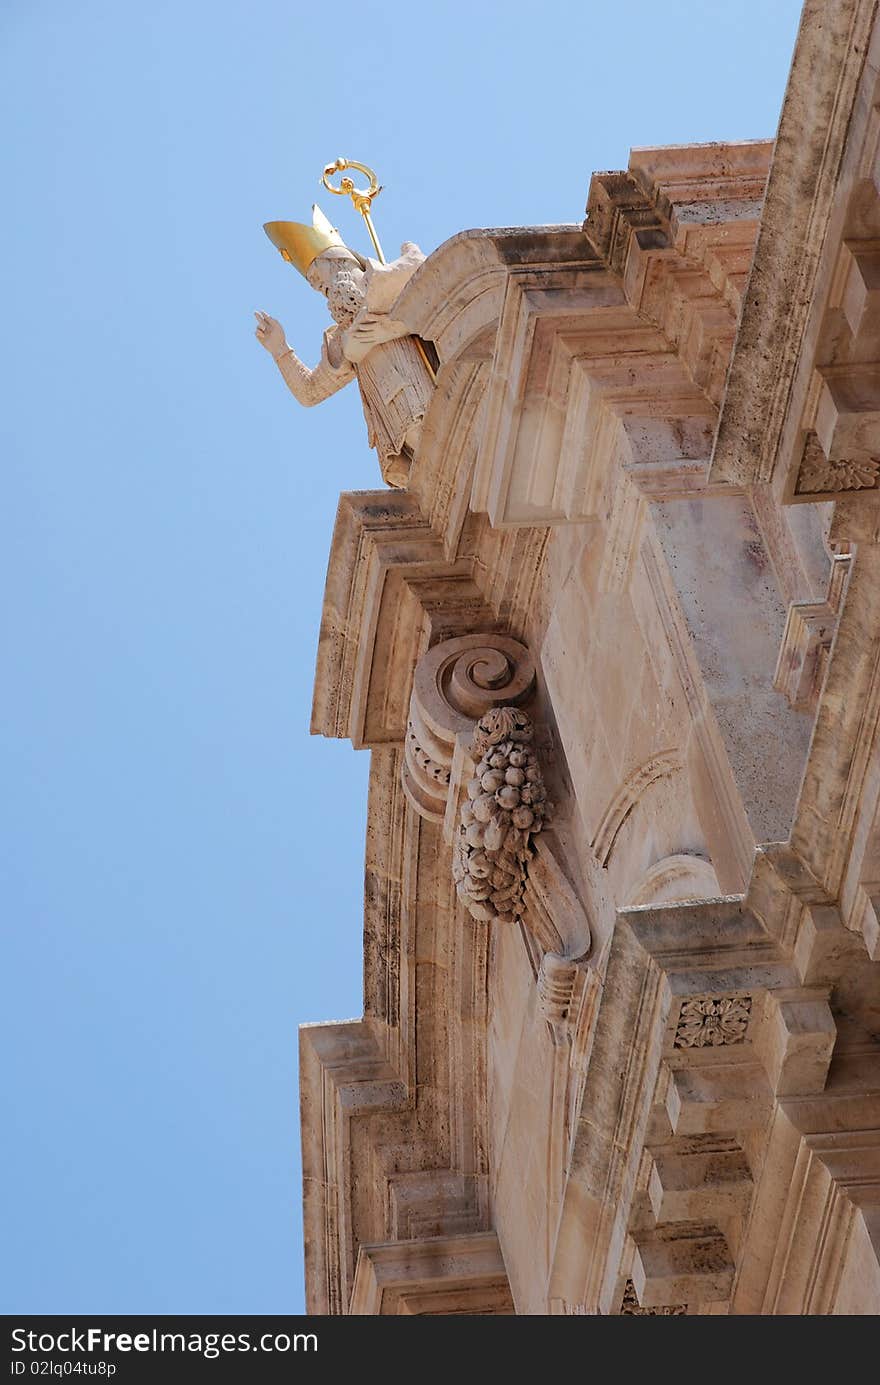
(365, 343)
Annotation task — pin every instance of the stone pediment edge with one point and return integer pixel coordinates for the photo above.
(459, 289)
(373, 529)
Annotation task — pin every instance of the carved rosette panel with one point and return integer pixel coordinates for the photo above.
(712, 1021)
(455, 683)
(506, 806)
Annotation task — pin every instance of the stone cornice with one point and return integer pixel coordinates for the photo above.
(455, 298)
(654, 278)
(703, 1033)
(436, 1275)
(810, 147)
(393, 1105)
(389, 585)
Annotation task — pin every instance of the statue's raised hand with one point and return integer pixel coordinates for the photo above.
(270, 334)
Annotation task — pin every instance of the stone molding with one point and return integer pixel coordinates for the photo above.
(627, 797)
(679, 229)
(813, 144)
(372, 1094)
(432, 1276)
(677, 877)
(802, 408)
(563, 983)
(840, 794)
(671, 1127)
(806, 642)
(654, 279)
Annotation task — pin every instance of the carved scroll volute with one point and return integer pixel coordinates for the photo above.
(455, 683)
(471, 761)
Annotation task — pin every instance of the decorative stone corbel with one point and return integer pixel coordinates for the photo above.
(471, 761)
(455, 683)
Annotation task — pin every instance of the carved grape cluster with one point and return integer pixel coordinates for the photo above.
(506, 804)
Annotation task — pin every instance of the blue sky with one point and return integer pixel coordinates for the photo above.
(181, 864)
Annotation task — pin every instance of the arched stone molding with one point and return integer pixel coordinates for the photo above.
(629, 794)
(675, 878)
(455, 299)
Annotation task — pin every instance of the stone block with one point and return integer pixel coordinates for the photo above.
(681, 1265)
(711, 1100)
(699, 1184)
(848, 411)
(795, 1040)
(861, 292)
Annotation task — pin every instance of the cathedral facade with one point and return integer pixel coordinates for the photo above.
(614, 648)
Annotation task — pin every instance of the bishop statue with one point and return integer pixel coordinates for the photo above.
(365, 342)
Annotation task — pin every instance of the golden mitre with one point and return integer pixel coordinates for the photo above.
(300, 244)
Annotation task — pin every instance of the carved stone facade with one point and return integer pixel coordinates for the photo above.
(620, 1051)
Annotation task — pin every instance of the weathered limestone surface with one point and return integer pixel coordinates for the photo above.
(620, 1051)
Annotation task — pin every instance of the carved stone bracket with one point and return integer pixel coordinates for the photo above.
(433, 1276)
(455, 683)
(472, 762)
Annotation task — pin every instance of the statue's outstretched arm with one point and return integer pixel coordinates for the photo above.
(311, 386)
(307, 386)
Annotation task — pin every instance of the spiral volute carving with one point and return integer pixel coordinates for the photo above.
(455, 683)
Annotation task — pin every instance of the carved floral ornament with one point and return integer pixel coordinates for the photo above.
(821, 475)
(712, 1021)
